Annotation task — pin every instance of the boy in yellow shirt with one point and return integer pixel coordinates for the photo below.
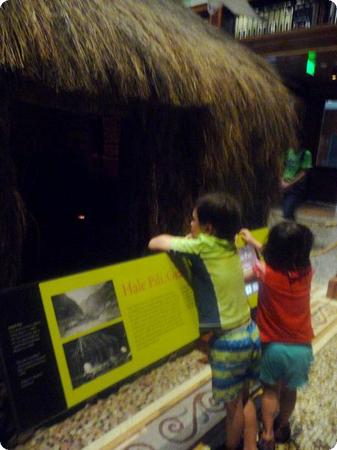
(219, 288)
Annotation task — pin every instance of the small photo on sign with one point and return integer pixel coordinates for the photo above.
(82, 309)
(95, 354)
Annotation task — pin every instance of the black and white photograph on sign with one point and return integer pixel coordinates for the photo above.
(95, 354)
(81, 309)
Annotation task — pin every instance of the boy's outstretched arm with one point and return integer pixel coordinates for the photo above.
(161, 242)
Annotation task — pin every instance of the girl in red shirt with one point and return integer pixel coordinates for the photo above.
(284, 321)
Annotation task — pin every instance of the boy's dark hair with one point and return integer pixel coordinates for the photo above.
(288, 246)
(221, 211)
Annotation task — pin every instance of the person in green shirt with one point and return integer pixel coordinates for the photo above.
(294, 180)
(223, 309)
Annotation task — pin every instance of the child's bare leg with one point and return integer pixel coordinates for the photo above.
(234, 423)
(270, 409)
(250, 425)
(287, 404)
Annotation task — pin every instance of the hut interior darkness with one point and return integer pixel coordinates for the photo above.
(117, 115)
(68, 185)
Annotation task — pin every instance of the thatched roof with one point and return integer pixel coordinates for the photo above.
(142, 49)
(148, 49)
(159, 52)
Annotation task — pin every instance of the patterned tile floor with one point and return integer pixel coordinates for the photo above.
(323, 223)
(314, 422)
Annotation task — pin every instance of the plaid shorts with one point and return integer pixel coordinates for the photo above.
(235, 359)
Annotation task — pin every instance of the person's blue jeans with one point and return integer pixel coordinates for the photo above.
(292, 198)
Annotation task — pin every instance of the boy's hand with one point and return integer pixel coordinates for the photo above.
(203, 346)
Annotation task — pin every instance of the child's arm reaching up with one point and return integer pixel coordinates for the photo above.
(259, 266)
(249, 239)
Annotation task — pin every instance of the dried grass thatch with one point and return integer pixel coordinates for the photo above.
(158, 52)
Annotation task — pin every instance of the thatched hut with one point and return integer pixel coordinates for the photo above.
(196, 110)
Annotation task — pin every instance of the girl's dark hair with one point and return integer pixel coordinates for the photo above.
(221, 211)
(288, 247)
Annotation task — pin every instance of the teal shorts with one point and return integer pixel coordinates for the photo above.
(235, 360)
(289, 363)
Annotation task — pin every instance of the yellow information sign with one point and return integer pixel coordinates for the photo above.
(109, 323)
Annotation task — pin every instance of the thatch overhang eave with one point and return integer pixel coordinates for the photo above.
(149, 49)
(27, 91)
(35, 93)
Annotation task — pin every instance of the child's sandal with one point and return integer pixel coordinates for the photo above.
(282, 435)
(266, 445)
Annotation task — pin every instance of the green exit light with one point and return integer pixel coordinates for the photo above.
(311, 63)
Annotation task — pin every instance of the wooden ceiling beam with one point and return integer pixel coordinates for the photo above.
(299, 41)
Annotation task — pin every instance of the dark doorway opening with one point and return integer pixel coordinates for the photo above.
(67, 171)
